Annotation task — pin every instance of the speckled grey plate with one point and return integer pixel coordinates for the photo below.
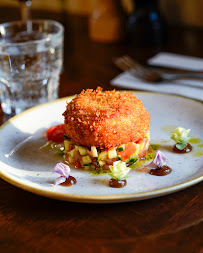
(25, 166)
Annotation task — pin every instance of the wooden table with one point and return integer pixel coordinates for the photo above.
(172, 223)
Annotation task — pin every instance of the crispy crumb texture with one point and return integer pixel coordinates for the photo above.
(105, 119)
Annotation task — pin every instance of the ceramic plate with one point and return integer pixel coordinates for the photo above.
(23, 164)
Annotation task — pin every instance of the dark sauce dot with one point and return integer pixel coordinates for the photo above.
(69, 181)
(187, 149)
(163, 171)
(117, 183)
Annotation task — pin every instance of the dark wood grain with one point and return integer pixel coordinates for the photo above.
(172, 223)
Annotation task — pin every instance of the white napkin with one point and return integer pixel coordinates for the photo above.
(187, 88)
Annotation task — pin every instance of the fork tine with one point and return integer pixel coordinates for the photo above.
(135, 64)
(126, 63)
(136, 68)
(120, 64)
(125, 66)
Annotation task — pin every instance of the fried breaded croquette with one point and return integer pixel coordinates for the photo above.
(105, 119)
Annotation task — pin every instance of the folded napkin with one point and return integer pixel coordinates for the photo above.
(184, 87)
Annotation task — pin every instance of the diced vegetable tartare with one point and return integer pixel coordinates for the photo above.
(95, 158)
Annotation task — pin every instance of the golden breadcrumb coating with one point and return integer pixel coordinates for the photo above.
(105, 119)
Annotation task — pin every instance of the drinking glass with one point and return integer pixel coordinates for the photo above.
(31, 59)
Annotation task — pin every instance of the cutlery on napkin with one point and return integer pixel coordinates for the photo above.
(185, 87)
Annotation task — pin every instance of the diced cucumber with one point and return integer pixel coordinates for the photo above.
(101, 163)
(67, 145)
(82, 150)
(142, 146)
(137, 150)
(147, 145)
(134, 156)
(86, 167)
(70, 159)
(112, 153)
(121, 148)
(103, 155)
(147, 135)
(72, 152)
(94, 151)
(86, 159)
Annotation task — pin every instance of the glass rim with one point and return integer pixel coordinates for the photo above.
(36, 21)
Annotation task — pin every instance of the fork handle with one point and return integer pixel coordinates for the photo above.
(171, 77)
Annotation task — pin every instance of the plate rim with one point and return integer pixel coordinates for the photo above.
(98, 198)
(102, 198)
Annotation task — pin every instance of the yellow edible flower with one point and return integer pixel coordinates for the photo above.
(180, 136)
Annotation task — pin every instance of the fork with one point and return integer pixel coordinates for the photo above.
(126, 63)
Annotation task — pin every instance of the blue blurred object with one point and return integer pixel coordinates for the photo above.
(145, 25)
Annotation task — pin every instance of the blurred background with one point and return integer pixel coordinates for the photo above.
(175, 12)
(174, 26)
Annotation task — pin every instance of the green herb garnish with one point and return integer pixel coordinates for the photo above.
(132, 161)
(66, 137)
(120, 149)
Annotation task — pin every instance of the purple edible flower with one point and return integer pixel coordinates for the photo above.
(63, 170)
(160, 160)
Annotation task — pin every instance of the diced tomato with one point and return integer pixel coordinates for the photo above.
(71, 147)
(110, 161)
(67, 159)
(142, 153)
(77, 160)
(129, 150)
(140, 141)
(77, 157)
(89, 152)
(77, 164)
(56, 133)
(105, 167)
(145, 140)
